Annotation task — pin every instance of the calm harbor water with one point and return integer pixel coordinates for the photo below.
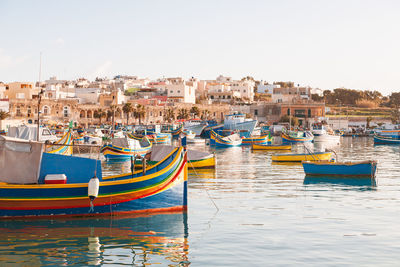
(248, 212)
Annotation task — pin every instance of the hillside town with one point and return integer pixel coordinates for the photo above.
(135, 100)
(154, 101)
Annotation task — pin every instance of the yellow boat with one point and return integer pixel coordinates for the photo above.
(271, 147)
(317, 156)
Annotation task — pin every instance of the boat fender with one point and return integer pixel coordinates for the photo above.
(93, 190)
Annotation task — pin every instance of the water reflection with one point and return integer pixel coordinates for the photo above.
(334, 180)
(153, 239)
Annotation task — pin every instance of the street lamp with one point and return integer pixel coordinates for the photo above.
(38, 113)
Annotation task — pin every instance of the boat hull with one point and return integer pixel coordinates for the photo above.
(165, 189)
(360, 169)
(289, 139)
(114, 152)
(380, 140)
(302, 157)
(260, 140)
(270, 147)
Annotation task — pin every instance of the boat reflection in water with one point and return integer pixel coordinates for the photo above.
(336, 180)
(153, 239)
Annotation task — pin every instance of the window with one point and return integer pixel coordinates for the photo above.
(244, 91)
(160, 113)
(179, 91)
(288, 112)
(18, 111)
(66, 111)
(29, 111)
(171, 91)
(212, 97)
(45, 110)
(256, 112)
(309, 112)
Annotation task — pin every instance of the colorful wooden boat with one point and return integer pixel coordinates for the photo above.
(123, 148)
(270, 147)
(196, 159)
(225, 141)
(62, 146)
(163, 138)
(383, 140)
(175, 133)
(302, 157)
(362, 168)
(264, 139)
(162, 188)
(291, 138)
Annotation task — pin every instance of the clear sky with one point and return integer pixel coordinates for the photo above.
(320, 43)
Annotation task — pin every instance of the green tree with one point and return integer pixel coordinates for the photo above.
(169, 115)
(3, 115)
(139, 113)
(194, 111)
(205, 114)
(127, 109)
(183, 114)
(99, 114)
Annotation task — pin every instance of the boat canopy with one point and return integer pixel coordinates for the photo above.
(19, 160)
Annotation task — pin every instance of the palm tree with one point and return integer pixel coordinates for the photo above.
(139, 113)
(113, 109)
(183, 114)
(205, 114)
(169, 115)
(3, 115)
(98, 114)
(127, 109)
(194, 111)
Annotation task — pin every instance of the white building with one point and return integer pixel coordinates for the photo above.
(244, 88)
(281, 95)
(58, 89)
(88, 95)
(179, 90)
(2, 90)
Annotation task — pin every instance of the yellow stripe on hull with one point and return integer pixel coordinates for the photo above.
(207, 163)
(271, 147)
(302, 157)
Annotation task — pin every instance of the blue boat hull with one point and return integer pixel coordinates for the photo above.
(364, 169)
(380, 140)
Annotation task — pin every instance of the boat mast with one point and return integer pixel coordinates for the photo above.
(39, 98)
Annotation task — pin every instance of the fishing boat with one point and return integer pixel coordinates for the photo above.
(196, 159)
(365, 168)
(238, 122)
(385, 140)
(124, 148)
(316, 156)
(207, 130)
(297, 137)
(62, 146)
(175, 133)
(225, 141)
(195, 125)
(55, 185)
(264, 139)
(270, 147)
(324, 134)
(189, 134)
(159, 138)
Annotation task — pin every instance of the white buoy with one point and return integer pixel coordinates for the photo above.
(93, 188)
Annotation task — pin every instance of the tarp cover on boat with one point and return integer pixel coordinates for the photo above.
(130, 143)
(27, 132)
(19, 160)
(159, 152)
